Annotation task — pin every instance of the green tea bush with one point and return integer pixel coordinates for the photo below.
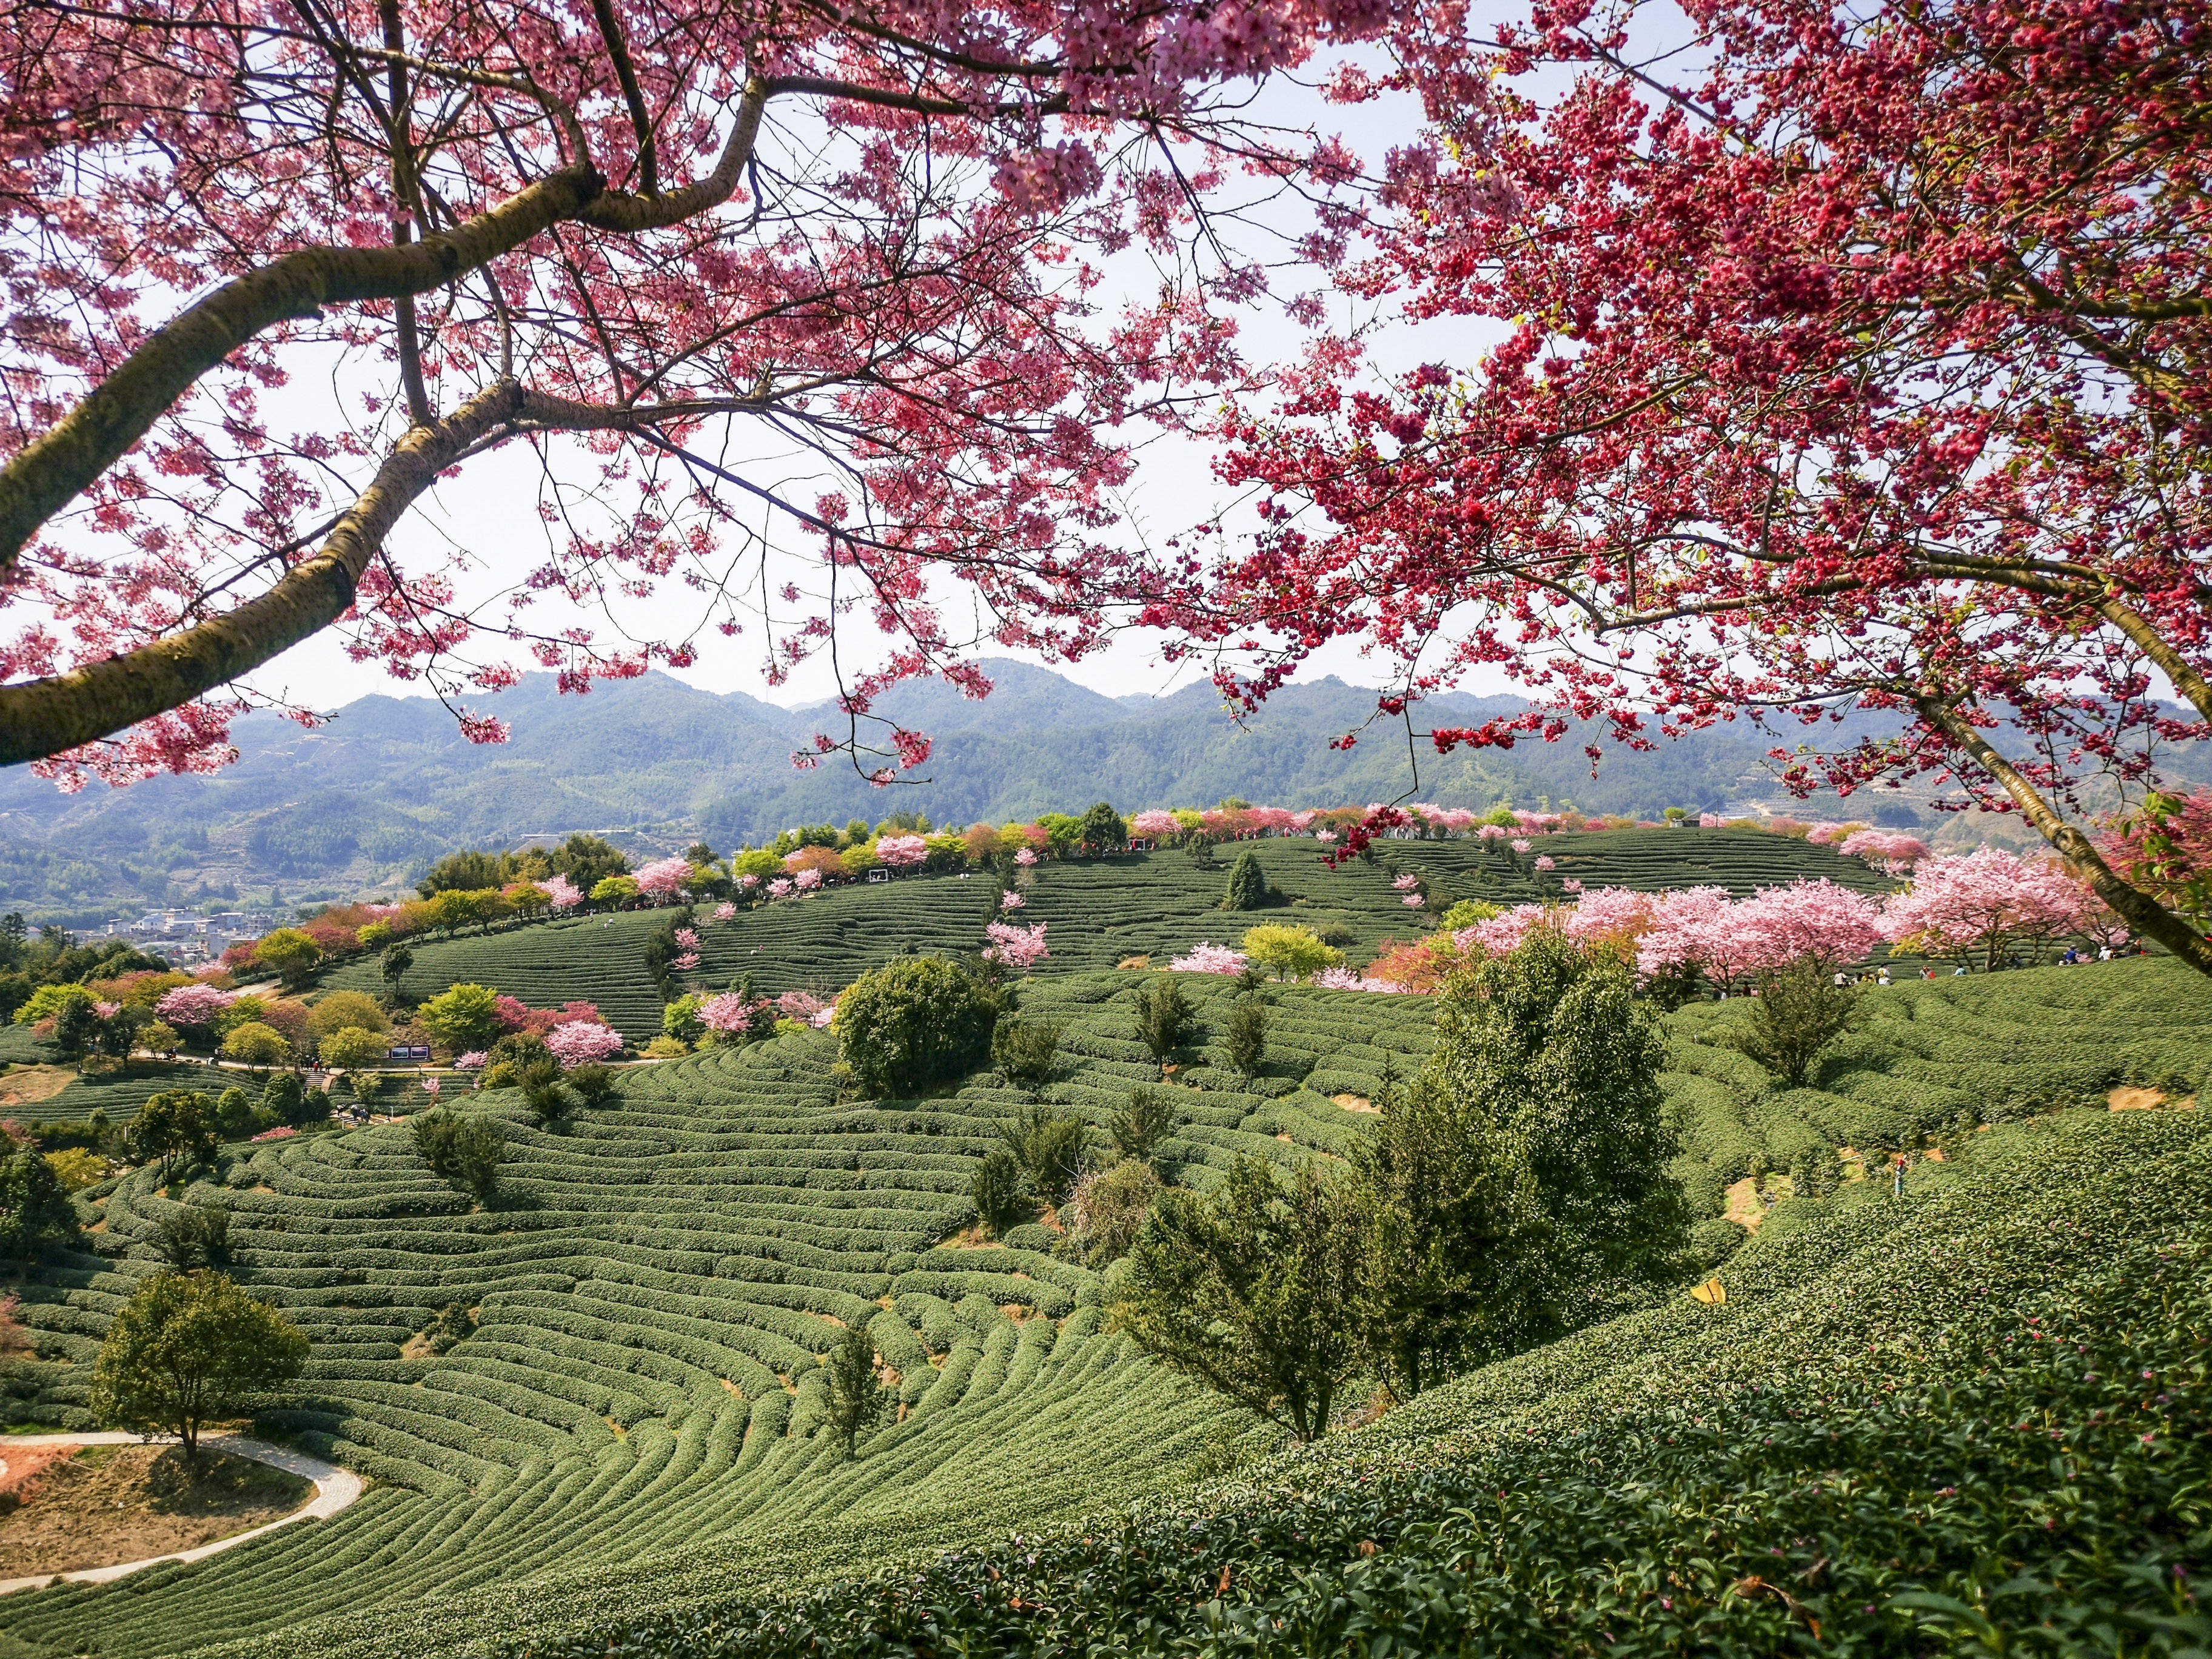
(913, 1022)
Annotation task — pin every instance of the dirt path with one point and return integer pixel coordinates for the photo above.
(334, 1489)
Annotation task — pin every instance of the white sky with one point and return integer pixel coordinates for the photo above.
(495, 499)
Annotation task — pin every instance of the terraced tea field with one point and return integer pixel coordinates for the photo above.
(635, 1421)
(1101, 912)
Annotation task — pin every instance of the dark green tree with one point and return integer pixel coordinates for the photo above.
(35, 1213)
(1244, 1036)
(284, 1096)
(545, 1094)
(1166, 1019)
(1799, 1010)
(1000, 1195)
(592, 1082)
(913, 1022)
(1250, 1290)
(77, 1025)
(398, 956)
(856, 1394)
(1248, 883)
(464, 1150)
(1524, 1175)
(466, 872)
(1049, 1146)
(189, 1349)
(1101, 830)
(1026, 1050)
(177, 1129)
(1139, 1128)
(193, 1236)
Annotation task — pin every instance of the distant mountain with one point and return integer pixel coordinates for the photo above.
(365, 802)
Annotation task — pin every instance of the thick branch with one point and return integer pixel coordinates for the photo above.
(44, 717)
(46, 475)
(2133, 906)
(648, 166)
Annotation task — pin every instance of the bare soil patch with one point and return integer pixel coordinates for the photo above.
(1355, 1103)
(27, 1085)
(109, 1503)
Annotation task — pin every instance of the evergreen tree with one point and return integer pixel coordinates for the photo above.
(1251, 1291)
(1244, 1038)
(1523, 1176)
(856, 1396)
(1248, 883)
(34, 1211)
(1164, 1016)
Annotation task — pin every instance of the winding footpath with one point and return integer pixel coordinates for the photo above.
(335, 1489)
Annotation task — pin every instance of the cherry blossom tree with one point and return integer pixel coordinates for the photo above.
(1988, 904)
(1814, 921)
(1156, 824)
(1009, 944)
(578, 1042)
(1207, 959)
(561, 893)
(651, 242)
(1852, 359)
(902, 852)
(663, 879)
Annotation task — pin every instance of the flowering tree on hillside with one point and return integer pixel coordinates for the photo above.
(578, 1042)
(561, 893)
(902, 852)
(1863, 360)
(1988, 904)
(664, 879)
(1012, 946)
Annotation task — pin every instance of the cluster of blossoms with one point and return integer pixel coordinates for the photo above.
(193, 1007)
(1010, 900)
(664, 879)
(578, 1042)
(726, 912)
(1209, 959)
(1012, 946)
(475, 1061)
(902, 852)
(562, 893)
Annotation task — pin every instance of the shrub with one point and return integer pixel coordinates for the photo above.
(1137, 1129)
(1164, 1016)
(463, 1016)
(464, 1150)
(284, 1096)
(193, 1236)
(453, 1326)
(1292, 952)
(1799, 1012)
(1108, 1210)
(1248, 883)
(1250, 1291)
(234, 1114)
(76, 1168)
(1712, 1242)
(1049, 1146)
(1026, 1050)
(256, 1044)
(1000, 1195)
(911, 1023)
(1244, 1038)
(289, 953)
(592, 1083)
(666, 1048)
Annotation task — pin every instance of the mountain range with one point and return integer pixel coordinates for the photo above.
(363, 803)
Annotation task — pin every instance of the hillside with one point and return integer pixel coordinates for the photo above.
(368, 800)
(629, 1429)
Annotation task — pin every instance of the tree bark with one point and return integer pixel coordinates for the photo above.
(2131, 904)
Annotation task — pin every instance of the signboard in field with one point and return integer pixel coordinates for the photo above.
(408, 1051)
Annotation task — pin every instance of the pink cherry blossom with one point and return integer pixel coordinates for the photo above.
(1546, 861)
(431, 1087)
(475, 1061)
(688, 938)
(726, 911)
(686, 962)
(1208, 958)
(1014, 945)
(1348, 979)
(902, 852)
(1326, 837)
(193, 1006)
(580, 1042)
(664, 878)
(1571, 884)
(807, 880)
(1010, 900)
(1156, 824)
(779, 888)
(1026, 857)
(1808, 921)
(562, 893)
(1711, 821)
(1491, 832)
(746, 883)
(1406, 883)
(730, 1012)
(1520, 846)
(1689, 927)
(1986, 903)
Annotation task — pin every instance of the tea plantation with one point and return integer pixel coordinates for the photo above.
(627, 1448)
(1100, 913)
